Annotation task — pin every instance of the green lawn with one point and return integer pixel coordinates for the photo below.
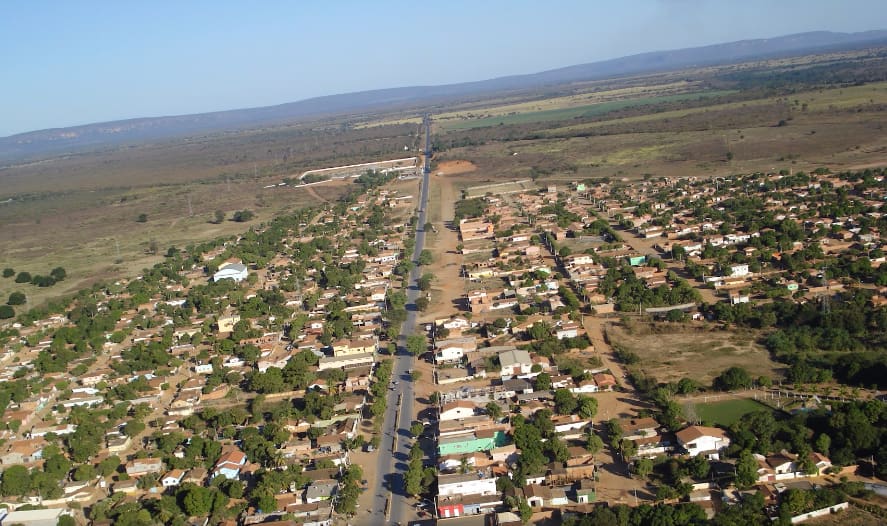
(590, 110)
(729, 411)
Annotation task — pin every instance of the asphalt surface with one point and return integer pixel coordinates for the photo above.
(394, 448)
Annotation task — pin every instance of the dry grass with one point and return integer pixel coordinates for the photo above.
(82, 231)
(672, 352)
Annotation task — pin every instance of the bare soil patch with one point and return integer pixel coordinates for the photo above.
(455, 167)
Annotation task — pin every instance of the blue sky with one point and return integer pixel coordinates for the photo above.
(67, 63)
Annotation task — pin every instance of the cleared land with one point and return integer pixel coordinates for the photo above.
(692, 351)
(727, 412)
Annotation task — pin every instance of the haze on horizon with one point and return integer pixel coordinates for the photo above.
(68, 64)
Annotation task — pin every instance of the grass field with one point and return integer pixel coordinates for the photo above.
(590, 110)
(727, 412)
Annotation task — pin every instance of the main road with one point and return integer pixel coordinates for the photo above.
(394, 448)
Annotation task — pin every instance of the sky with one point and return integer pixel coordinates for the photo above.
(67, 63)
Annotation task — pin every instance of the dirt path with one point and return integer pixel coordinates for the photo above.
(447, 286)
(314, 194)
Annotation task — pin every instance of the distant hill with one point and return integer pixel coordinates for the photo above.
(51, 142)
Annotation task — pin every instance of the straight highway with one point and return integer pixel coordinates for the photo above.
(391, 505)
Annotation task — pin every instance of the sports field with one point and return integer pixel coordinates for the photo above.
(727, 412)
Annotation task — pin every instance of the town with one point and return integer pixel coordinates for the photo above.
(247, 380)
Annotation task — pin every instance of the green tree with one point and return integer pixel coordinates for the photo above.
(416, 429)
(8, 272)
(425, 257)
(23, 277)
(6, 312)
(16, 298)
(643, 467)
(196, 500)
(84, 472)
(220, 216)
(746, 470)
(416, 344)
(524, 510)
(58, 273)
(422, 303)
(733, 379)
(493, 409)
(15, 481)
(542, 382)
(593, 444)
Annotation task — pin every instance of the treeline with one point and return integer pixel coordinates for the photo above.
(841, 339)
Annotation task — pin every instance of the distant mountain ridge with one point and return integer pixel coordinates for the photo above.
(31, 145)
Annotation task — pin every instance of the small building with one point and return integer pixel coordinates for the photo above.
(233, 271)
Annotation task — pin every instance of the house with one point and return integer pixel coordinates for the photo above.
(172, 478)
(738, 271)
(604, 381)
(353, 347)
(233, 271)
(515, 362)
(142, 466)
(321, 490)
(456, 410)
(585, 491)
(479, 483)
(23, 452)
(567, 330)
(229, 464)
(537, 495)
(226, 324)
(701, 440)
(196, 476)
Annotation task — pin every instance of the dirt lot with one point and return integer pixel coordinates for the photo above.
(448, 285)
(455, 167)
(692, 350)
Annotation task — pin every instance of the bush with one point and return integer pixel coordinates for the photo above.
(6, 312)
(8, 272)
(143, 218)
(16, 298)
(242, 216)
(23, 277)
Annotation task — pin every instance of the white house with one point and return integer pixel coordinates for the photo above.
(701, 440)
(585, 387)
(738, 271)
(456, 410)
(448, 353)
(203, 368)
(173, 478)
(466, 484)
(567, 330)
(235, 271)
(515, 362)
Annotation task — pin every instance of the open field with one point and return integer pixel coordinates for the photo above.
(727, 412)
(101, 240)
(561, 114)
(669, 353)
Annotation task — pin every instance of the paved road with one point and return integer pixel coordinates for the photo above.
(394, 448)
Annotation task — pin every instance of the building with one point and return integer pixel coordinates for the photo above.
(701, 440)
(229, 464)
(515, 362)
(234, 271)
(466, 484)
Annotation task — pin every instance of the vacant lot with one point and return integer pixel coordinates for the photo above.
(671, 352)
(727, 412)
